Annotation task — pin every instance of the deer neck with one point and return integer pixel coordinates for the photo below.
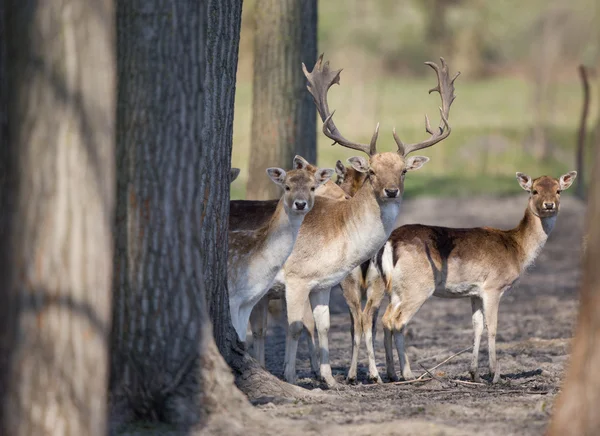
(371, 220)
(384, 211)
(531, 234)
(280, 235)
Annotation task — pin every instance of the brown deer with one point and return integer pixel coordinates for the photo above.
(348, 180)
(419, 261)
(337, 236)
(257, 256)
(250, 215)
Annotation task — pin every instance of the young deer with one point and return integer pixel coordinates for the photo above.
(337, 236)
(256, 256)
(347, 183)
(364, 282)
(252, 214)
(419, 261)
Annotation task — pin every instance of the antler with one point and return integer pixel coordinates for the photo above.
(320, 80)
(445, 87)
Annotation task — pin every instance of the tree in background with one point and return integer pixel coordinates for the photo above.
(283, 113)
(56, 216)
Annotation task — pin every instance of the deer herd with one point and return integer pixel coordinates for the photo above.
(321, 234)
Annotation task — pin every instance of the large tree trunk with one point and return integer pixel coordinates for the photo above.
(176, 68)
(576, 410)
(283, 113)
(57, 216)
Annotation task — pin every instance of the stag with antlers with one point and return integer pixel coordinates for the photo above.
(337, 236)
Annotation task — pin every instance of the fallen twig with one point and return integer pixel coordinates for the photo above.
(417, 380)
(431, 375)
(468, 383)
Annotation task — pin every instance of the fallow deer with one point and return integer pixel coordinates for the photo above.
(364, 282)
(256, 256)
(482, 263)
(337, 236)
(349, 181)
(252, 214)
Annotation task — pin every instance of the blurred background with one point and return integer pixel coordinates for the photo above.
(519, 97)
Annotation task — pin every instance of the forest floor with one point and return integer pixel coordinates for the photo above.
(535, 327)
(536, 323)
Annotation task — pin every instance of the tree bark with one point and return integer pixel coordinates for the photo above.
(174, 138)
(283, 112)
(57, 215)
(576, 409)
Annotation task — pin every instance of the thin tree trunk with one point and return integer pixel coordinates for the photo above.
(582, 132)
(57, 216)
(576, 410)
(283, 113)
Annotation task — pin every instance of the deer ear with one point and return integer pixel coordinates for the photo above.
(233, 173)
(340, 169)
(525, 181)
(567, 180)
(415, 162)
(277, 175)
(359, 163)
(300, 163)
(323, 175)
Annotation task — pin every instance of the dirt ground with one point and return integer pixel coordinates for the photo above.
(536, 323)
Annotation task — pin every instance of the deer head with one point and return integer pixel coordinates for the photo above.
(299, 184)
(544, 192)
(348, 178)
(384, 171)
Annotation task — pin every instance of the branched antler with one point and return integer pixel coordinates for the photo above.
(445, 87)
(320, 80)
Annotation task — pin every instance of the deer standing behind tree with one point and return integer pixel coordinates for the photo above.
(483, 263)
(250, 215)
(257, 256)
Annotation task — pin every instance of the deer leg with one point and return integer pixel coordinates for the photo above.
(234, 309)
(491, 301)
(351, 291)
(319, 300)
(374, 325)
(477, 310)
(309, 326)
(258, 324)
(403, 313)
(369, 319)
(296, 297)
(387, 342)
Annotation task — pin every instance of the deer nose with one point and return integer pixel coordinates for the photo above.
(391, 193)
(548, 206)
(300, 205)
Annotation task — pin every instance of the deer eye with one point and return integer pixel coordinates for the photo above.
(404, 172)
(312, 189)
(534, 192)
(558, 192)
(371, 172)
(287, 187)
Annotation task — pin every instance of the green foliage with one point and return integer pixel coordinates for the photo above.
(491, 127)
(382, 46)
